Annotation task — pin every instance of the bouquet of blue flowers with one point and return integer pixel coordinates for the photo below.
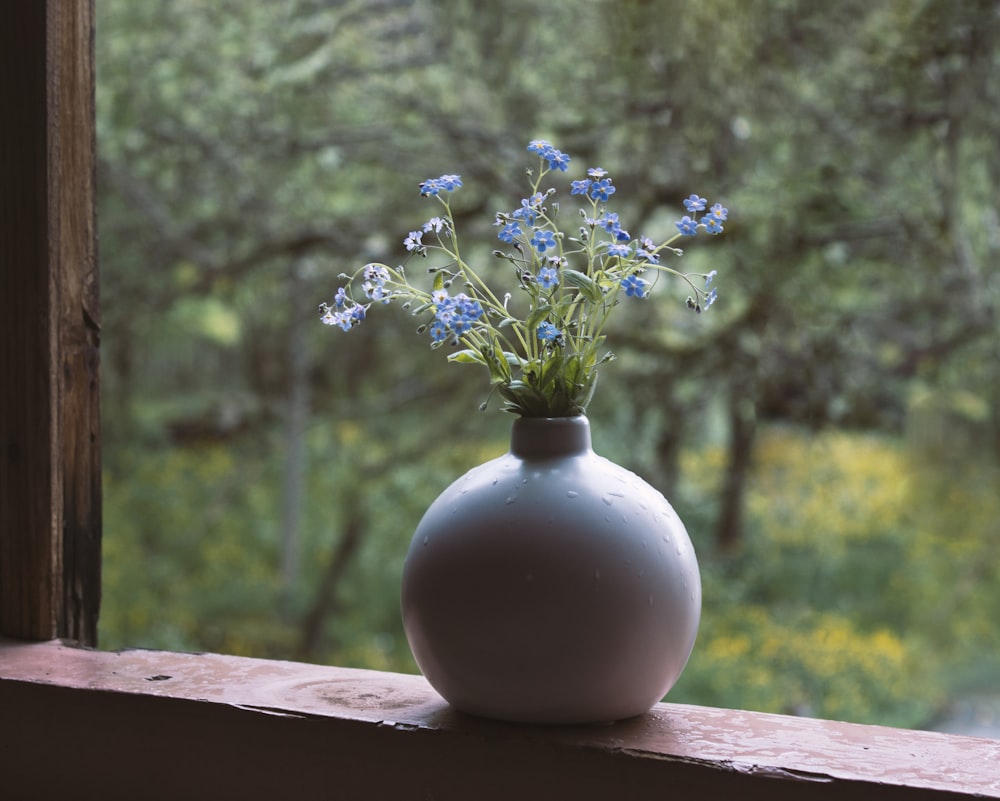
(542, 349)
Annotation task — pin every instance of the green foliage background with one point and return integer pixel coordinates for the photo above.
(830, 432)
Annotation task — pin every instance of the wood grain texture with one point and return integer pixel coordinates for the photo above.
(50, 511)
(72, 161)
(255, 728)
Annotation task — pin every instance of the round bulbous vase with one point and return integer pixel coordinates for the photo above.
(551, 585)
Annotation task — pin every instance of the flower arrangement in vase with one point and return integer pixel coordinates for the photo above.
(544, 361)
(549, 585)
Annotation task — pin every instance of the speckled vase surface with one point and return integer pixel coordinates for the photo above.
(551, 585)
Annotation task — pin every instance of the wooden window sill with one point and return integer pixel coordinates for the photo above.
(155, 724)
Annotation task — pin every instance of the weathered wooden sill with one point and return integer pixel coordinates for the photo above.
(146, 724)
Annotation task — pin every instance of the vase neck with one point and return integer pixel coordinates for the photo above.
(549, 437)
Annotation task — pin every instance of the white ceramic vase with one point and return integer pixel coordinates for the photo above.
(551, 585)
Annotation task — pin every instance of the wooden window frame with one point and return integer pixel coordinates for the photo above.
(50, 465)
(77, 721)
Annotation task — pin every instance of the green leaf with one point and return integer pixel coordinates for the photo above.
(584, 283)
(536, 317)
(575, 371)
(525, 398)
(498, 364)
(467, 356)
(551, 370)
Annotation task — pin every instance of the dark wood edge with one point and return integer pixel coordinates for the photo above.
(260, 722)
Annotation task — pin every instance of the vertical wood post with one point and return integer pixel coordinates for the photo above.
(50, 478)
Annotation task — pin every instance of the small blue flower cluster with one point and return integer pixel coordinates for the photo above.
(634, 286)
(345, 312)
(542, 359)
(453, 316)
(557, 160)
(435, 186)
(597, 186)
(547, 332)
(712, 221)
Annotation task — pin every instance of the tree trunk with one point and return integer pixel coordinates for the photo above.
(297, 417)
(326, 596)
(668, 448)
(729, 534)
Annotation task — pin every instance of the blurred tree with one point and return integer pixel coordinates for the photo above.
(850, 144)
(853, 142)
